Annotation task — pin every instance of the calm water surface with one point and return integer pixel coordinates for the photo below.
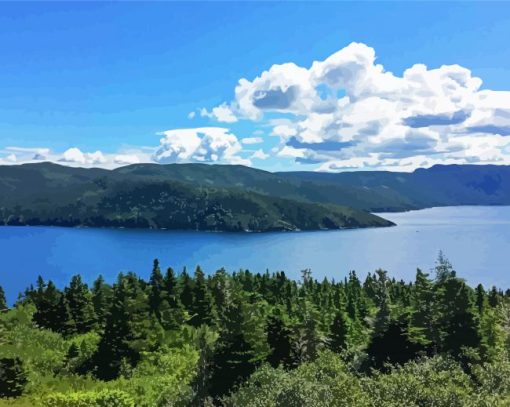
(475, 239)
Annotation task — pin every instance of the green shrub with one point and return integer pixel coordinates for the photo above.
(104, 398)
(12, 377)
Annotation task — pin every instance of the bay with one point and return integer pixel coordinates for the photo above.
(475, 239)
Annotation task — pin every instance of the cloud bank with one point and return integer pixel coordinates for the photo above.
(347, 111)
(343, 112)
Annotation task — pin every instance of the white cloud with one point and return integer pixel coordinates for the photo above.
(347, 111)
(221, 113)
(76, 156)
(260, 155)
(191, 115)
(252, 140)
(205, 144)
(125, 159)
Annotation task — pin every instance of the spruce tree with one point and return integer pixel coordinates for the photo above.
(101, 298)
(202, 302)
(392, 346)
(114, 344)
(157, 289)
(47, 306)
(279, 340)
(459, 324)
(81, 306)
(186, 291)
(480, 298)
(421, 327)
(171, 289)
(338, 332)
(234, 357)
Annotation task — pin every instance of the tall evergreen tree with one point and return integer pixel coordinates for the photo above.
(202, 310)
(392, 346)
(338, 332)
(421, 328)
(101, 298)
(81, 306)
(157, 289)
(171, 289)
(382, 300)
(186, 291)
(130, 329)
(480, 298)
(279, 340)
(457, 321)
(47, 306)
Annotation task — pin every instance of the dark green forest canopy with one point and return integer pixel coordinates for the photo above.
(252, 339)
(233, 197)
(49, 194)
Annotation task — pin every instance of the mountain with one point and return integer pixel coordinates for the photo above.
(440, 185)
(377, 191)
(149, 197)
(233, 197)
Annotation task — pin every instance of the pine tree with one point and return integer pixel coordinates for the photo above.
(157, 289)
(392, 346)
(47, 306)
(202, 302)
(3, 301)
(279, 340)
(338, 332)
(421, 327)
(493, 297)
(382, 300)
(64, 321)
(170, 283)
(186, 291)
(114, 343)
(457, 322)
(480, 298)
(130, 329)
(101, 298)
(81, 306)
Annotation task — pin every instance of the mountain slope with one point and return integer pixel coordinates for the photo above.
(49, 194)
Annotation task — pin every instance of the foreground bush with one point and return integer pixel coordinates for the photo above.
(104, 398)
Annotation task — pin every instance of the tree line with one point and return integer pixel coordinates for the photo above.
(232, 331)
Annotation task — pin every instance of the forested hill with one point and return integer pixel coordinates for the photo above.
(233, 197)
(376, 191)
(50, 194)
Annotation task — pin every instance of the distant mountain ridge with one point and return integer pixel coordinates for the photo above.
(377, 191)
(233, 197)
(50, 194)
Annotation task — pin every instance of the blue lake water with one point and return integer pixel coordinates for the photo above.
(475, 239)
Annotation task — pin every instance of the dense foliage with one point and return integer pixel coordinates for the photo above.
(247, 339)
(49, 194)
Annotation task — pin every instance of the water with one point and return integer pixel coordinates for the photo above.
(475, 239)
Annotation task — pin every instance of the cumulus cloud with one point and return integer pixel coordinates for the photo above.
(204, 144)
(221, 113)
(347, 111)
(76, 156)
(252, 140)
(260, 155)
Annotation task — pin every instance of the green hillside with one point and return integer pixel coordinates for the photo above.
(49, 194)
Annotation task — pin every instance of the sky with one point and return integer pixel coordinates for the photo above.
(277, 86)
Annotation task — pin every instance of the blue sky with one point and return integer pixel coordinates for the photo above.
(102, 82)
